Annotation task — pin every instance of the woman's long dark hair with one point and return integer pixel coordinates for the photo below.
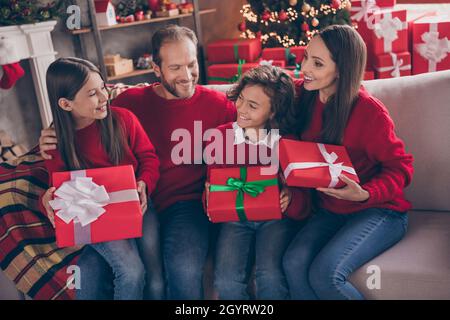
(65, 77)
(279, 87)
(348, 51)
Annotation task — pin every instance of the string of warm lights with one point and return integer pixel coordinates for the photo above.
(308, 19)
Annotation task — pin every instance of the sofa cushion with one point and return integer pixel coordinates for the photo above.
(418, 267)
(420, 108)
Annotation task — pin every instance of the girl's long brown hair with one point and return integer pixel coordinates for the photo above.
(65, 77)
(279, 86)
(348, 51)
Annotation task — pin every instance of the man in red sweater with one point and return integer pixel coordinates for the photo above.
(173, 104)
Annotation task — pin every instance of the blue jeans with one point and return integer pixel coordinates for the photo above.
(185, 242)
(97, 275)
(331, 246)
(234, 258)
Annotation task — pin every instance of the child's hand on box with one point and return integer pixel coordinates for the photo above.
(142, 191)
(48, 195)
(285, 199)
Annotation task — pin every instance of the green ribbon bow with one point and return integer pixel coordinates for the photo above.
(297, 71)
(252, 188)
(236, 51)
(234, 78)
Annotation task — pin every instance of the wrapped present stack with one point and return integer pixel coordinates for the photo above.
(96, 205)
(230, 58)
(395, 37)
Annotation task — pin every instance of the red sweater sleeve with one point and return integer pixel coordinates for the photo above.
(143, 150)
(396, 167)
(53, 165)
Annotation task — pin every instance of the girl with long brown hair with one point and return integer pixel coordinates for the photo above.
(92, 134)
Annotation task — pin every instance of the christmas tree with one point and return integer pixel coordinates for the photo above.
(14, 12)
(287, 23)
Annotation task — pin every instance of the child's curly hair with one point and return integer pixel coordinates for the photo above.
(279, 86)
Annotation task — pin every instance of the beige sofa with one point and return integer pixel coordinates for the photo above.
(418, 267)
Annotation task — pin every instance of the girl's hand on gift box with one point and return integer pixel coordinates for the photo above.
(351, 192)
(142, 191)
(48, 195)
(285, 199)
(47, 141)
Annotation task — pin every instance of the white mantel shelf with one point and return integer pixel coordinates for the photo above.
(33, 41)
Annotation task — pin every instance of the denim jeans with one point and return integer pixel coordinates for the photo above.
(185, 242)
(331, 246)
(239, 245)
(97, 275)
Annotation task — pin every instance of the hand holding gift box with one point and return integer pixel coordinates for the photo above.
(243, 194)
(96, 205)
(313, 165)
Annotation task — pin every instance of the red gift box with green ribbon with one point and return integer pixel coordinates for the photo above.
(284, 53)
(228, 73)
(96, 205)
(243, 194)
(233, 50)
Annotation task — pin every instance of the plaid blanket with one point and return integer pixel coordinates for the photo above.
(28, 252)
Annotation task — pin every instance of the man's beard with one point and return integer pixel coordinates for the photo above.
(172, 88)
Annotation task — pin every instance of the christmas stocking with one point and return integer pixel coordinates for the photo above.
(11, 73)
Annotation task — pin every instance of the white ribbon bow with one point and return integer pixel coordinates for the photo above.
(363, 12)
(387, 29)
(330, 158)
(397, 66)
(80, 199)
(266, 62)
(433, 49)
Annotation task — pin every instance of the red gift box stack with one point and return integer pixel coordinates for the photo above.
(394, 38)
(120, 211)
(230, 58)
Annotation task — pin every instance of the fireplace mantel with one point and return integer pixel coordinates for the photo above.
(33, 41)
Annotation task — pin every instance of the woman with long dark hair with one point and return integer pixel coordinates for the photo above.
(354, 224)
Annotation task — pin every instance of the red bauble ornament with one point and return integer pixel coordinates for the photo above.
(283, 16)
(305, 27)
(335, 4)
(266, 15)
(242, 26)
(153, 5)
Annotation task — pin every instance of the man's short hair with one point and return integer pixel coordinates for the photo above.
(169, 33)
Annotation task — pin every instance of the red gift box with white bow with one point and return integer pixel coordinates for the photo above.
(96, 205)
(393, 65)
(431, 44)
(313, 165)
